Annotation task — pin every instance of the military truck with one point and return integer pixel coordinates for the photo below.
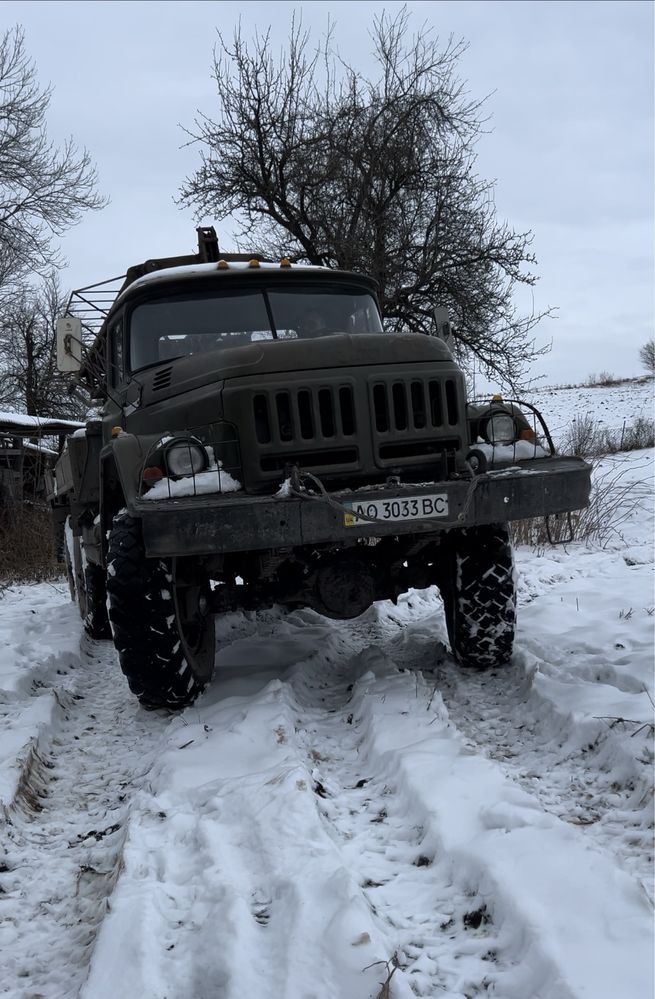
(262, 440)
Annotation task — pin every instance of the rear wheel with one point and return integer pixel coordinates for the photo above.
(87, 583)
(162, 627)
(96, 619)
(479, 595)
(68, 558)
(78, 576)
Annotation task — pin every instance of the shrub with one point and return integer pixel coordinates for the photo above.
(640, 435)
(27, 546)
(582, 437)
(604, 378)
(587, 438)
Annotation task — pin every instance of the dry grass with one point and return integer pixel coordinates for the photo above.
(614, 500)
(533, 530)
(27, 547)
(587, 438)
(391, 967)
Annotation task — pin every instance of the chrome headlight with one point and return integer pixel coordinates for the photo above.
(185, 457)
(500, 429)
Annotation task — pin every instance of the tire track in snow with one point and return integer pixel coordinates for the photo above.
(259, 886)
(438, 928)
(228, 871)
(226, 878)
(63, 835)
(433, 915)
(569, 767)
(573, 775)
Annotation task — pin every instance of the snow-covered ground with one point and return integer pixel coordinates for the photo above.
(343, 807)
(611, 406)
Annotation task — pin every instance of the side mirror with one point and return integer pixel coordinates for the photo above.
(69, 344)
(444, 329)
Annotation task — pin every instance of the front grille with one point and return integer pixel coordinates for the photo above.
(307, 414)
(416, 404)
(415, 420)
(361, 425)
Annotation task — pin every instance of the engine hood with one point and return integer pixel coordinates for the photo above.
(340, 350)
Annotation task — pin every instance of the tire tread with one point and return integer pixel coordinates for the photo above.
(141, 610)
(479, 596)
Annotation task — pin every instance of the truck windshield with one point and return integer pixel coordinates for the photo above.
(181, 324)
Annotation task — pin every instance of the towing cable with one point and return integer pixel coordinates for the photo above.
(298, 487)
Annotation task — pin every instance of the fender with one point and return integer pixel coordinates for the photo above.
(121, 463)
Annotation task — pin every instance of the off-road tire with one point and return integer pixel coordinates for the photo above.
(87, 583)
(68, 562)
(143, 621)
(96, 619)
(479, 595)
(78, 576)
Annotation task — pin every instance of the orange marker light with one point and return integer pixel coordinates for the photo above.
(222, 265)
(285, 262)
(253, 263)
(152, 474)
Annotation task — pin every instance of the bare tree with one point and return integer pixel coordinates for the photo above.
(43, 190)
(29, 380)
(647, 356)
(375, 175)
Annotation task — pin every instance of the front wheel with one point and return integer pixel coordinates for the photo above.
(479, 595)
(159, 612)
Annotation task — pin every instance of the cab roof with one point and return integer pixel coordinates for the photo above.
(253, 270)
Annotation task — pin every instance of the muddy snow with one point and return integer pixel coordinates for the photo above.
(344, 812)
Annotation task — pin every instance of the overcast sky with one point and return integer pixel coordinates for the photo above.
(571, 146)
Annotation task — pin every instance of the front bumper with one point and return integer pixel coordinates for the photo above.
(234, 522)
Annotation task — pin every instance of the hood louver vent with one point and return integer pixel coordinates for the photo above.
(162, 380)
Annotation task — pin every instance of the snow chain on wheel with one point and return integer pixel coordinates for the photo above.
(479, 595)
(166, 658)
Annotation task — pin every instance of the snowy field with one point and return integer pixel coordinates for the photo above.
(610, 406)
(343, 807)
